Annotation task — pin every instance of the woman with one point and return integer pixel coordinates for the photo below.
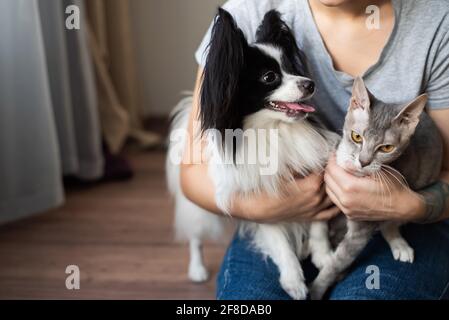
(405, 55)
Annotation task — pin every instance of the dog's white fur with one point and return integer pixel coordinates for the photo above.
(302, 148)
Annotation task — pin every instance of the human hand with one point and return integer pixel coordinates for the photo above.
(373, 198)
(305, 200)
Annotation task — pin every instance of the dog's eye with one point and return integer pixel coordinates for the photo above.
(270, 77)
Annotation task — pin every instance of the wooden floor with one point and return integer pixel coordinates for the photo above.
(120, 236)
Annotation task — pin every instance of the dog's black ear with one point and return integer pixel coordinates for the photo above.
(275, 31)
(224, 66)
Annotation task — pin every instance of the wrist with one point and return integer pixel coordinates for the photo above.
(257, 208)
(238, 209)
(246, 208)
(435, 198)
(414, 207)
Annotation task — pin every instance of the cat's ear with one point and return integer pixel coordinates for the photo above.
(409, 115)
(360, 96)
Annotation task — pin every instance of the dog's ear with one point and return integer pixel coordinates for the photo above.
(224, 66)
(275, 31)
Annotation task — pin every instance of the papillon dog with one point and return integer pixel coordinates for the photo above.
(252, 87)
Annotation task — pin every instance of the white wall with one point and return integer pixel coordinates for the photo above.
(167, 32)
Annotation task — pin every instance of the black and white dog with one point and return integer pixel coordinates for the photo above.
(253, 87)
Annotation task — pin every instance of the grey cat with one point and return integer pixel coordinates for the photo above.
(380, 138)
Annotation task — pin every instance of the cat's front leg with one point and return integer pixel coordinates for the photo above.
(272, 240)
(400, 249)
(319, 244)
(355, 239)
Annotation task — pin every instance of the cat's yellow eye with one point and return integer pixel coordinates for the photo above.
(357, 138)
(388, 148)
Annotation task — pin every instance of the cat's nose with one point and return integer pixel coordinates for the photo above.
(365, 163)
(308, 86)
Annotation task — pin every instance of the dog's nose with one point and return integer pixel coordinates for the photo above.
(309, 86)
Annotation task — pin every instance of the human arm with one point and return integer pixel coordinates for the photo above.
(436, 197)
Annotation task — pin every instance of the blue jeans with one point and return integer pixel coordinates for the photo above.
(246, 275)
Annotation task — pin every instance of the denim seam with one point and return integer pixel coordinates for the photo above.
(227, 273)
(444, 291)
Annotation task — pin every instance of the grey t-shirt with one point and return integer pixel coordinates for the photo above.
(415, 59)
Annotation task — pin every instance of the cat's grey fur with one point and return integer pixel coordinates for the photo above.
(417, 156)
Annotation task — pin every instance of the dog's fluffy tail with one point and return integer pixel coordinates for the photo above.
(180, 114)
(179, 118)
(191, 221)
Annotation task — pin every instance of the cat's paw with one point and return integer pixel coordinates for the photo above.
(295, 287)
(316, 292)
(198, 273)
(403, 252)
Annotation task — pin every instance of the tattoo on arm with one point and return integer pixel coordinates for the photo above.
(436, 198)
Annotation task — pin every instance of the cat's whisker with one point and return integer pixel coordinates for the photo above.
(400, 181)
(375, 177)
(404, 185)
(389, 184)
(387, 167)
(381, 187)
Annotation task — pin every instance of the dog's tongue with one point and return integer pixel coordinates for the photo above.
(300, 107)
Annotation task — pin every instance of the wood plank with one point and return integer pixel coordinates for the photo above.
(119, 234)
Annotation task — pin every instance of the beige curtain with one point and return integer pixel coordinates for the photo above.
(111, 44)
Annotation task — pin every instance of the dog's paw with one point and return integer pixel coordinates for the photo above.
(403, 252)
(198, 273)
(295, 288)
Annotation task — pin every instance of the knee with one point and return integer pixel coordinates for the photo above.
(245, 291)
(247, 275)
(233, 284)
